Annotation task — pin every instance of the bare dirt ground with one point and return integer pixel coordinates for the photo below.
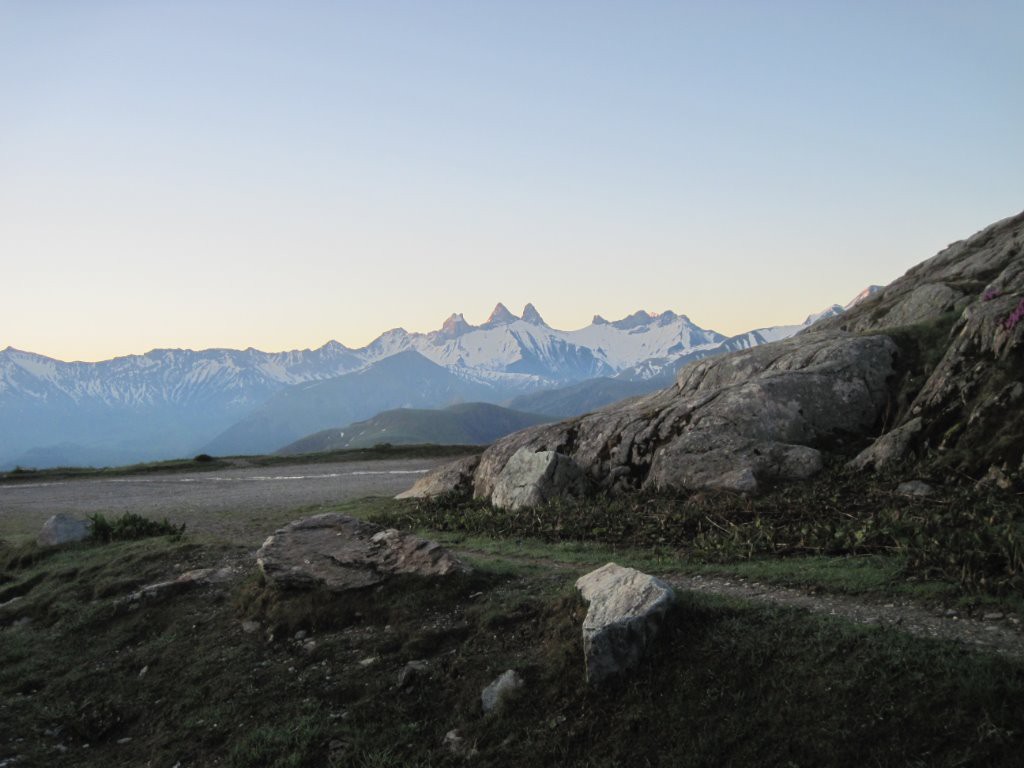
(242, 505)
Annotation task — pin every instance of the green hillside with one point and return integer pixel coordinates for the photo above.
(462, 424)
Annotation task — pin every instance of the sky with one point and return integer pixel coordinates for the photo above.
(198, 173)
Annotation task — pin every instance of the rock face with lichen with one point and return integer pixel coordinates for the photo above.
(530, 478)
(339, 553)
(927, 371)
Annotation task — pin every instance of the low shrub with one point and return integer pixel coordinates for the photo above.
(131, 526)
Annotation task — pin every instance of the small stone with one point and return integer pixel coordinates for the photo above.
(143, 671)
(125, 740)
(457, 745)
(249, 627)
(411, 671)
(63, 528)
(502, 686)
(917, 488)
(369, 661)
(308, 647)
(300, 635)
(994, 616)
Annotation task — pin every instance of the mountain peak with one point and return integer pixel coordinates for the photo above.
(867, 293)
(640, 317)
(598, 320)
(500, 316)
(454, 326)
(531, 315)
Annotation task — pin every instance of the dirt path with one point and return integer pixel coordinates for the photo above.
(994, 632)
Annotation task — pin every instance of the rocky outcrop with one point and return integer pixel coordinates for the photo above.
(966, 413)
(339, 553)
(531, 478)
(626, 611)
(455, 478)
(731, 422)
(63, 528)
(931, 367)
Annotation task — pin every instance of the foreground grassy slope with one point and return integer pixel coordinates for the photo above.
(87, 681)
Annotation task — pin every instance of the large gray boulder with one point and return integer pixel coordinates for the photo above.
(339, 553)
(454, 478)
(531, 478)
(732, 422)
(626, 612)
(63, 528)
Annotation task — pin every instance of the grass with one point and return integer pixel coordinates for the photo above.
(87, 681)
(730, 684)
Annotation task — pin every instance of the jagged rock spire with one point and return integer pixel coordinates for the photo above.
(455, 325)
(531, 315)
(501, 316)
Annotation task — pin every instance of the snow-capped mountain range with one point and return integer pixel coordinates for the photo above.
(172, 402)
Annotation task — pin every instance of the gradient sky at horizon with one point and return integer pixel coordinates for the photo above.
(234, 174)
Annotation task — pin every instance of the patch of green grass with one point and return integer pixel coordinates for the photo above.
(851, 575)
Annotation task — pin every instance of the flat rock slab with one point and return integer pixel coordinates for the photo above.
(626, 611)
(339, 553)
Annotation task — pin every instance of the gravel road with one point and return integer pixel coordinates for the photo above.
(243, 505)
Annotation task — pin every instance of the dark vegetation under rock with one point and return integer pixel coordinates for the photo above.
(964, 534)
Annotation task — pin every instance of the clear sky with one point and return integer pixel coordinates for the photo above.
(211, 173)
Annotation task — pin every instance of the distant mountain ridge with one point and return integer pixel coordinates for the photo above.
(462, 424)
(174, 402)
